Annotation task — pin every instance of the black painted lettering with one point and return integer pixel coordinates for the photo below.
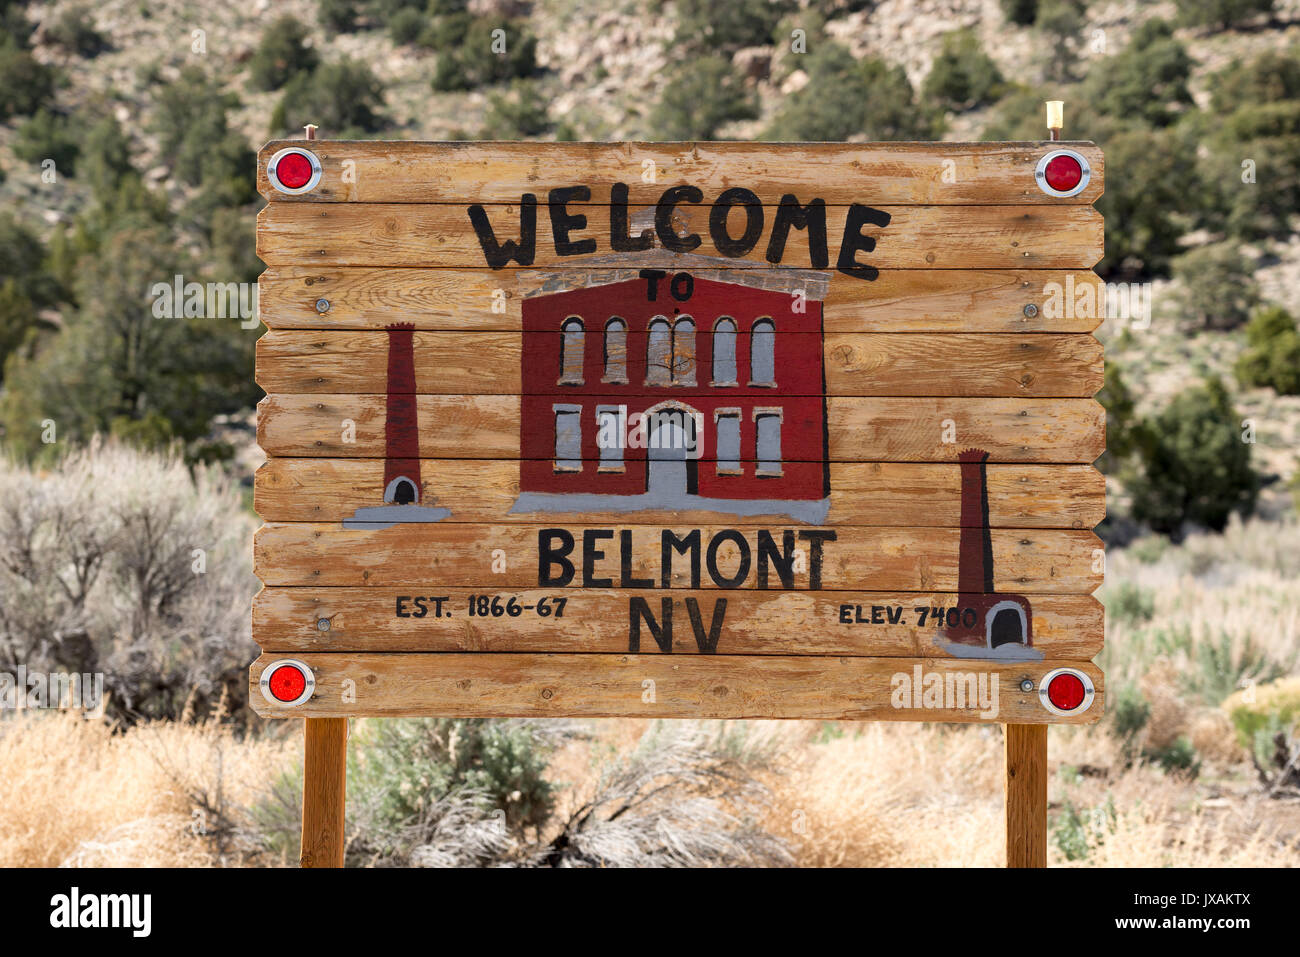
(626, 580)
(742, 571)
(563, 222)
(815, 537)
(784, 560)
(722, 206)
(498, 255)
(554, 545)
(662, 631)
(670, 543)
(853, 241)
(620, 238)
(707, 643)
(591, 554)
(812, 218)
(664, 209)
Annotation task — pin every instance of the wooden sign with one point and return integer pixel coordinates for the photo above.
(666, 430)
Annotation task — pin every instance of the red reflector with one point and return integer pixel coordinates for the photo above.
(1065, 692)
(1063, 173)
(287, 683)
(293, 170)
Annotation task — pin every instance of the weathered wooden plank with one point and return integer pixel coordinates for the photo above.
(663, 686)
(859, 429)
(875, 493)
(916, 237)
(489, 363)
(899, 300)
(938, 173)
(445, 554)
(755, 622)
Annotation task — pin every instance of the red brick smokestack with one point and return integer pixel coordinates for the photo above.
(975, 560)
(402, 425)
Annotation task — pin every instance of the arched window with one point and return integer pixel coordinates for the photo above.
(615, 351)
(684, 351)
(762, 353)
(724, 352)
(659, 353)
(572, 337)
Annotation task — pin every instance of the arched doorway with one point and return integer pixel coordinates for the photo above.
(671, 461)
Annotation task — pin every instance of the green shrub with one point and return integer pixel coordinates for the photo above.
(338, 16)
(48, 135)
(1146, 82)
(1179, 756)
(1272, 356)
(1215, 665)
(1121, 419)
(1195, 467)
(714, 27)
(1148, 209)
(1062, 21)
(1218, 285)
(105, 159)
(1076, 832)
(1130, 603)
(1020, 12)
(963, 75)
(702, 96)
(1129, 712)
(1221, 13)
(844, 98)
(1266, 707)
(74, 31)
(17, 318)
(407, 25)
(344, 97)
(1252, 135)
(470, 56)
(402, 767)
(26, 84)
(518, 114)
(284, 51)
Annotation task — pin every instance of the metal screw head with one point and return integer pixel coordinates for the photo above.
(322, 624)
(322, 305)
(1030, 310)
(1026, 685)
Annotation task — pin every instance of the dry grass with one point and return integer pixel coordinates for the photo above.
(75, 793)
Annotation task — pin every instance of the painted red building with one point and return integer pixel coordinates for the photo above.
(724, 372)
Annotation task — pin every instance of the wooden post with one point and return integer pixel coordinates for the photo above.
(324, 786)
(1026, 795)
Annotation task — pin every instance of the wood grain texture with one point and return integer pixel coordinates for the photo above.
(324, 789)
(595, 621)
(488, 363)
(899, 300)
(917, 237)
(410, 172)
(441, 554)
(655, 686)
(860, 429)
(1026, 794)
(876, 493)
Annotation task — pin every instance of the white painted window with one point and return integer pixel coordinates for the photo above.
(724, 352)
(572, 340)
(762, 353)
(568, 438)
(768, 428)
(615, 351)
